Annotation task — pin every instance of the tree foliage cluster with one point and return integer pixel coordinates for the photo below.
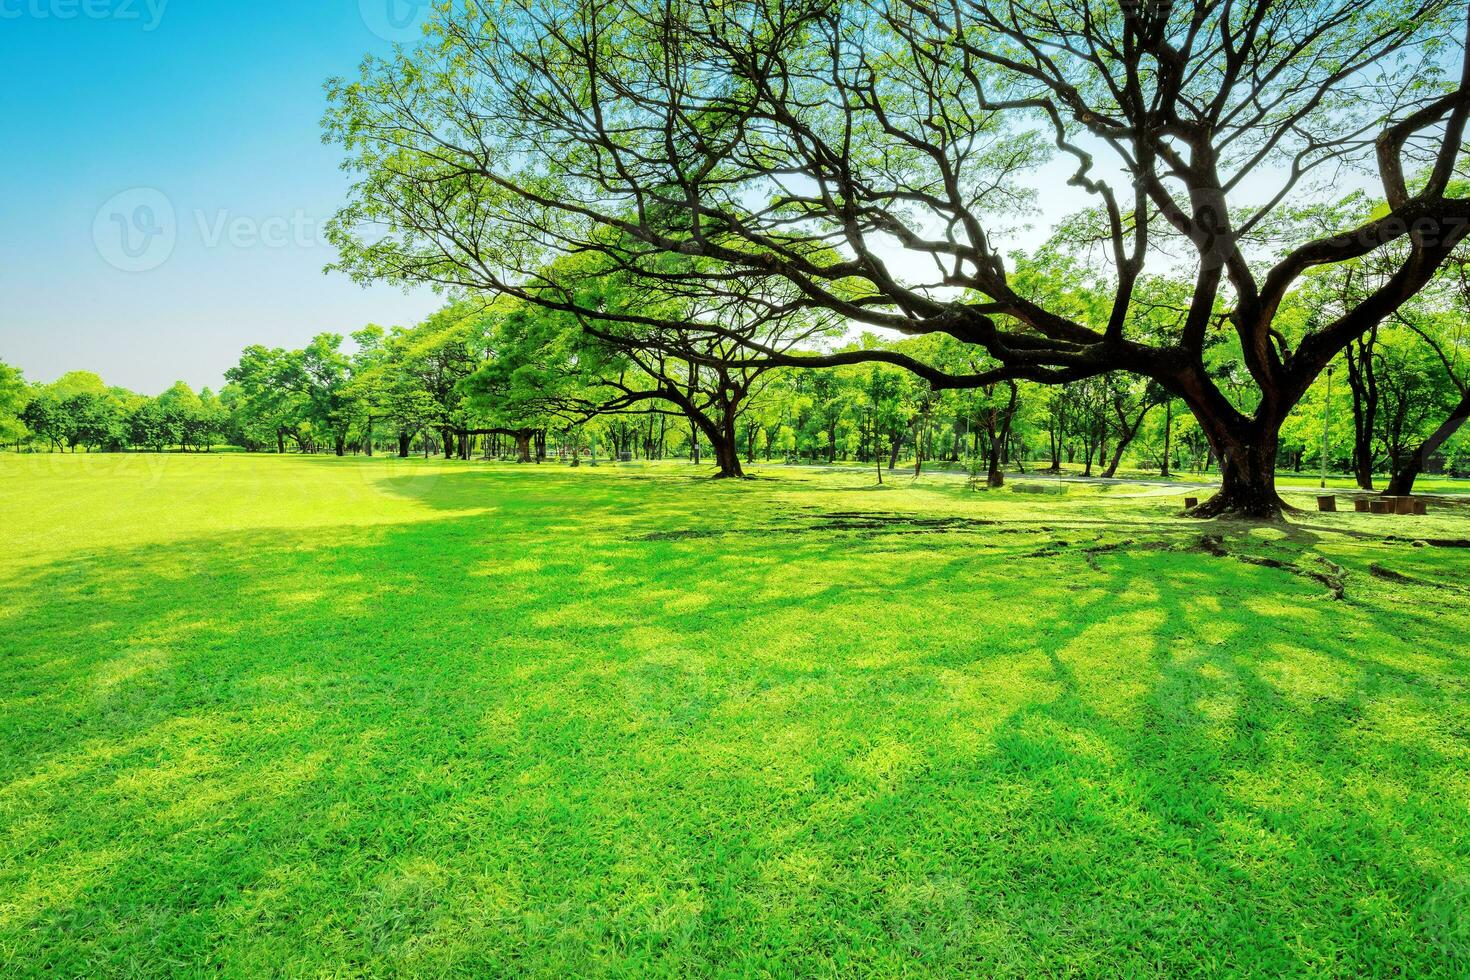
(79, 410)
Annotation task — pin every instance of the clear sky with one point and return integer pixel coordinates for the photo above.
(163, 182)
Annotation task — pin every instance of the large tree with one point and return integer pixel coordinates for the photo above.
(323, 378)
(690, 364)
(1426, 396)
(435, 358)
(1408, 376)
(266, 392)
(872, 155)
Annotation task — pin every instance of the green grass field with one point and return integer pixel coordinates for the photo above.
(345, 717)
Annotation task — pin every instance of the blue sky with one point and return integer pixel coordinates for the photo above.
(117, 112)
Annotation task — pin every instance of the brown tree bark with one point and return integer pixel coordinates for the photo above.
(1168, 437)
(999, 431)
(1126, 436)
(727, 458)
(1402, 482)
(1363, 383)
(1247, 459)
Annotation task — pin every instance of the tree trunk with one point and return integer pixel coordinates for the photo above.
(1125, 439)
(523, 447)
(1402, 482)
(405, 443)
(1363, 461)
(1168, 436)
(993, 476)
(1000, 438)
(1363, 381)
(727, 458)
(1247, 472)
(726, 445)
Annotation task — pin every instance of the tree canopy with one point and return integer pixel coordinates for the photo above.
(870, 160)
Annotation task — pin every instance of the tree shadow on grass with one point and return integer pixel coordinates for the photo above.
(526, 740)
(1226, 790)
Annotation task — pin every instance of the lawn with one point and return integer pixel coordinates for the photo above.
(341, 717)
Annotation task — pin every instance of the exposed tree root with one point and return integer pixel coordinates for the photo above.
(1399, 578)
(865, 524)
(1090, 554)
(1213, 544)
(683, 534)
(1332, 575)
(895, 523)
(1269, 509)
(1389, 575)
(1431, 542)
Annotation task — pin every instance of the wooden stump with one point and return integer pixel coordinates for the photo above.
(1420, 508)
(1327, 504)
(1190, 503)
(1382, 506)
(1363, 505)
(1403, 505)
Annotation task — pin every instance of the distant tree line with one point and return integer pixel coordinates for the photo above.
(81, 411)
(502, 378)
